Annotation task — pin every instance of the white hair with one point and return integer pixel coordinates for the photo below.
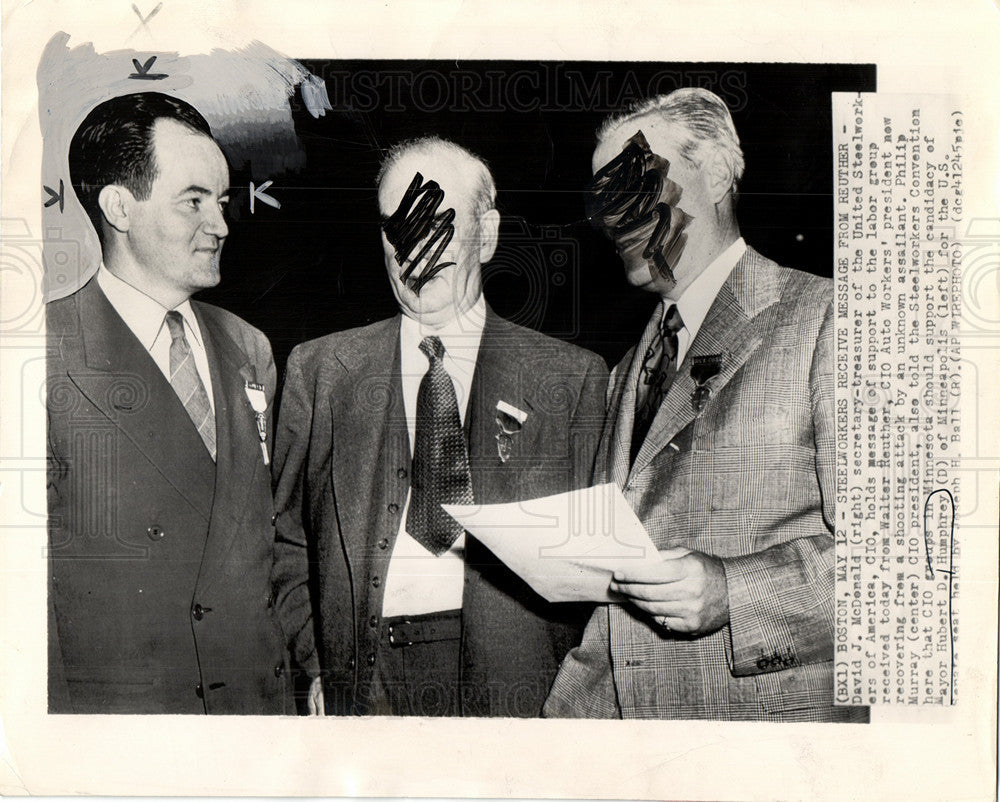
(484, 194)
(701, 119)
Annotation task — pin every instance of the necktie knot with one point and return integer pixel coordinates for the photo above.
(175, 324)
(672, 322)
(432, 348)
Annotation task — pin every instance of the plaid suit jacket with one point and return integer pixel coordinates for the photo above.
(750, 479)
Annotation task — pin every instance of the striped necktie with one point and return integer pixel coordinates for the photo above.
(187, 383)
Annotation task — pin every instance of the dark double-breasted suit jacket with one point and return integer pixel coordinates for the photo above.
(747, 475)
(160, 595)
(342, 466)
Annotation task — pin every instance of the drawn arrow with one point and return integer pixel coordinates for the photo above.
(144, 20)
(257, 193)
(142, 72)
(55, 197)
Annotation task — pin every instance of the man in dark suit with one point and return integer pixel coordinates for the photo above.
(721, 434)
(160, 512)
(380, 425)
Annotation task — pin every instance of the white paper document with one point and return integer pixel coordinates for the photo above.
(567, 546)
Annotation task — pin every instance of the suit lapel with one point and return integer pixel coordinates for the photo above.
(605, 462)
(238, 455)
(623, 402)
(498, 377)
(732, 329)
(121, 380)
(369, 425)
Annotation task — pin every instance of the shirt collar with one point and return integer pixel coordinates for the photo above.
(697, 299)
(143, 315)
(460, 335)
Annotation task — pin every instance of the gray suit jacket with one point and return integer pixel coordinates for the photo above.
(750, 479)
(342, 470)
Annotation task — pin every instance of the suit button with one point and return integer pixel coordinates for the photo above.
(198, 612)
(371, 659)
(401, 473)
(393, 508)
(279, 671)
(269, 601)
(274, 519)
(350, 663)
(376, 581)
(383, 544)
(373, 621)
(198, 691)
(155, 532)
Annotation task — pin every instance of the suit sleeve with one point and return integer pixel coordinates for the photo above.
(291, 554)
(781, 600)
(57, 480)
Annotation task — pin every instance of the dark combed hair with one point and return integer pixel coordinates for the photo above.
(114, 145)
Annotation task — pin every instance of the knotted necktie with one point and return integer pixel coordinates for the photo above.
(658, 368)
(187, 383)
(440, 472)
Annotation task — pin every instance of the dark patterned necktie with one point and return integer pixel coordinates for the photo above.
(659, 365)
(187, 383)
(440, 472)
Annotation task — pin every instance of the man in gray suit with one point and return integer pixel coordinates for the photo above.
(390, 605)
(721, 434)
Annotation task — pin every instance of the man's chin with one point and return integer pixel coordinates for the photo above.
(638, 271)
(207, 277)
(642, 273)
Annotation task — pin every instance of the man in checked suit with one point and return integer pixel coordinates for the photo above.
(721, 435)
(161, 543)
(379, 425)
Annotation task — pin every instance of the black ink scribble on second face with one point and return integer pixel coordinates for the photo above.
(415, 221)
(631, 198)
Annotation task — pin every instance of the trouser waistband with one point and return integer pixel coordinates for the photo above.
(405, 630)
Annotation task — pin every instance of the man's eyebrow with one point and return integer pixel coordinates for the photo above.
(199, 190)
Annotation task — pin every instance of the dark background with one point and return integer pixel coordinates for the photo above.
(315, 265)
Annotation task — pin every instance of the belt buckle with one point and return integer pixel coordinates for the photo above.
(392, 638)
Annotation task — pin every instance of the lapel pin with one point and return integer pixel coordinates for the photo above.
(258, 402)
(509, 419)
(703, 370)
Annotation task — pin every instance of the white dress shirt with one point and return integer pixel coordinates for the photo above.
(147, 320)
(699, 295)
(417, 581)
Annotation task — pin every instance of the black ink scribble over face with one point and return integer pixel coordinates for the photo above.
(415, 221)
(632, 200)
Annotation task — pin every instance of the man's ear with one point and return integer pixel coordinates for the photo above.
(116, 203)
(718, 177)
(489, 232)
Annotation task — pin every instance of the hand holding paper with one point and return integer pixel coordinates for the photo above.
(686, 592)
(567, 547)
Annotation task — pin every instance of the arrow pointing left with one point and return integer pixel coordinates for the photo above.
(55, 197)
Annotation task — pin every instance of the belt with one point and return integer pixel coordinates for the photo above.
(405, 630)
